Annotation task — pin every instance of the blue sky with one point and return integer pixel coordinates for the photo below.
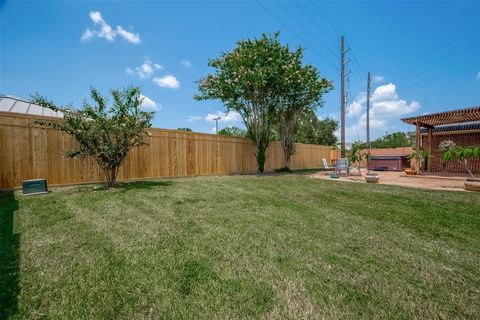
(424, 56)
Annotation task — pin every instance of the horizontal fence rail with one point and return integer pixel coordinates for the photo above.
(29, 151)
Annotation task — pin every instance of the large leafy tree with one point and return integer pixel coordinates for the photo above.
(311, 129)
(233, 131)
(303, 92)
(250, 80)
(106, 132)
(393, 140)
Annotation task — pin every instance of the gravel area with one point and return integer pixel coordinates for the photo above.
(424, 181)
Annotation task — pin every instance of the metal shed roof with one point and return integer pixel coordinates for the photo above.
(14, 104)
(455, 127)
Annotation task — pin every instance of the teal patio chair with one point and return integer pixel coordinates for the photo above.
(342, 165)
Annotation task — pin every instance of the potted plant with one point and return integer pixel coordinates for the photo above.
(358, 156)
(417, 161)
(463, 155)
(414, 163)
(409, 171)
(370, 176)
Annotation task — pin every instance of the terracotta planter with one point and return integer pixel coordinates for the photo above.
(409, 172)
(371, 178)
(472, 184)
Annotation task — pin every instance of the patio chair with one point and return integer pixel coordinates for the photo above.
(326, 166)
(342, 164)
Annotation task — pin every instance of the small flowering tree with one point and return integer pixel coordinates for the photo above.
(304, 89)
(358, 156)
(105, 132)
(450, 151)
(267, 84)
(247, 81)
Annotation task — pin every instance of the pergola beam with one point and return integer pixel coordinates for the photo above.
(418, 139)
(430, 149)
(429, 121)
(447, 117)
(424, 125)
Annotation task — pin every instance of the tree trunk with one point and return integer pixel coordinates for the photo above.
(465, 164)
(287, 138)
(287, 156)
(261, 156)
(111, 177)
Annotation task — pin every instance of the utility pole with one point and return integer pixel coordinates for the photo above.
(216, 124)
(342, 95)
(369, 145)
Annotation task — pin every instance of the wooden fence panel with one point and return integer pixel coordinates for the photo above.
(28, 151)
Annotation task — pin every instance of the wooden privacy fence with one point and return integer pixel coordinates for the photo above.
(29, 151)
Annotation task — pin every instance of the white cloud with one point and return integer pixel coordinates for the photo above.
(478, 75)
(332, 115)
(106, 31)
(378, 78)
(354, 109)
(385, 92)
(149, 104)
(145, 71)
(87, 35)
(361, 97)
(127, 35)
(386, 102)
(185, 63)
(232, 116)
(375, 123)
(385, 107)
(337, 133)
(167, 81)
(96, 17)
(194, 118)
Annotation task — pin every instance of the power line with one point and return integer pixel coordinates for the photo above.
(475, 32)
(325, 18)
(298, 36)
(355, 61)
(436, 67)
(316, 24)
(356, 67)
(443, 57)
(303, 26)
(447, 74)
(356, 73)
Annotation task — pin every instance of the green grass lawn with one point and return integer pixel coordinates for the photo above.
(240, 247)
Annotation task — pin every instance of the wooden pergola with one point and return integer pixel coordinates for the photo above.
(429, 121)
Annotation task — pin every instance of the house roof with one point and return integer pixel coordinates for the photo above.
(14, 104)
(447, 117)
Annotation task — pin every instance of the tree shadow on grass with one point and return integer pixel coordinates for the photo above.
(300, 172)
(137, 185)
(9, 256)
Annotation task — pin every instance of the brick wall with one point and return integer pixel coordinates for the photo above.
(461, 139)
